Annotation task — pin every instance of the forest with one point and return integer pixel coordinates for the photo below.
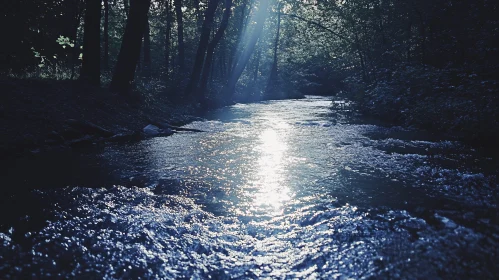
(430, 64)
(249, 139)
(423, 64)
(397, 59)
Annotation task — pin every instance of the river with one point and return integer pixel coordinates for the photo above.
(272, 190)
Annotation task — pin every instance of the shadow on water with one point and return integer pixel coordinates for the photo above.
(56, 169)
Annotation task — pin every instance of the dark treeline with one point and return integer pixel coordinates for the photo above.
(223, 50)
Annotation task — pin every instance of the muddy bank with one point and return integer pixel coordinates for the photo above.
(40, 115)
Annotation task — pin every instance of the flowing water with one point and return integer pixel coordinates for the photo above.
(273, 190)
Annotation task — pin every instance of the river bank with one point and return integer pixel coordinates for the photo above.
(458, 104)
(40, 115)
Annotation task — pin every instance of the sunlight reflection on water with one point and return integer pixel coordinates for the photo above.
(271, 176)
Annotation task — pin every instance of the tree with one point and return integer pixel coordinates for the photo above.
(211, 47)
(90, 71)
(147, 50)
(126, 4)
(129, 55)
(106, 34)
(272, 83)
(169, 19)
(180, 35)
(201, 51)
(74, 24)
(311, 42)
(239, 29)
(260, 18)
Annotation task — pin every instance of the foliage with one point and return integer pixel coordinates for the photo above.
(326, 47)
(65, 42)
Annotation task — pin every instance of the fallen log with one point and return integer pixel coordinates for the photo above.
(165, 125)
(89, 128)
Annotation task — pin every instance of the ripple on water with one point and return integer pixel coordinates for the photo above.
(130, 232)
(279, 189)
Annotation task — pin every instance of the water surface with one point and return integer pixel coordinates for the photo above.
(278, 189)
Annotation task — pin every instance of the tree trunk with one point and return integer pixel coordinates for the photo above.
(168, 35)
(211, 47)
(222, 72)
(130, 47)
(362, 63)
(361, 57)
(70, 29)
(90, 71)
(180, 36)
(260, 17)
(76, 49)
(257, 66)
(199, 16)
(201, 52)
(272, 83)
(147, 51)
(127, 7)
(106, 34)
(234, 52)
